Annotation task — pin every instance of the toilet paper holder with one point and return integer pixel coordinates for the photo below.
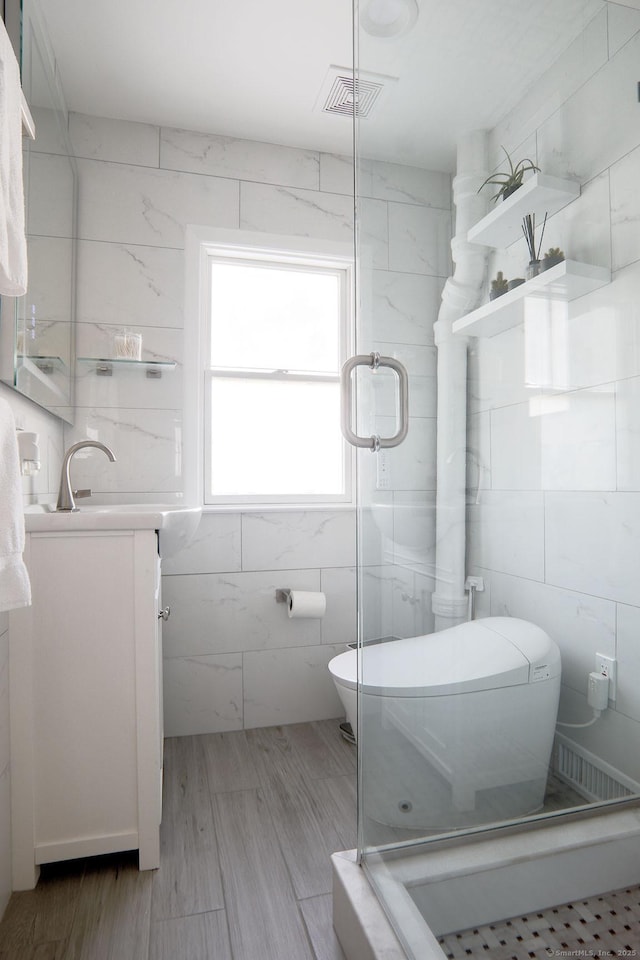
(282, 596)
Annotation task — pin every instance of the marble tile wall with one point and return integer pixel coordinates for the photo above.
(553, 403)
(233, 658)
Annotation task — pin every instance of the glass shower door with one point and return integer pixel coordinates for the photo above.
(389, 415)
(548, 392)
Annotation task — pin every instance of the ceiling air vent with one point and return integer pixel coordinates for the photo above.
(346, 90)
(340, 90)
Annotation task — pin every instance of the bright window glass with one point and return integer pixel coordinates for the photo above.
(275, 438)
(264, 317)
(277, 339)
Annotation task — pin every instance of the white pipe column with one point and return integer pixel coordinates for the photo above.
(460, 295)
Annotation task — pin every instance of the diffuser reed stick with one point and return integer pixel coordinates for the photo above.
(529, 231)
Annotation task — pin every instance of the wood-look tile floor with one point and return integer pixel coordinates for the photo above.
(250, 820)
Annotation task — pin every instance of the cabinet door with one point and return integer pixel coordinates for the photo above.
(84, 699)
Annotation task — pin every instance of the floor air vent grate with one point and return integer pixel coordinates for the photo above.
(589, 775)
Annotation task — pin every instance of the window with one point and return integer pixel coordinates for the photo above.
(276, 329)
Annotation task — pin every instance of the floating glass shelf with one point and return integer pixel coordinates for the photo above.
(106, 365)
(44, 364)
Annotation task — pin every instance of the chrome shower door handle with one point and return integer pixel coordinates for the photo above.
(374, 361)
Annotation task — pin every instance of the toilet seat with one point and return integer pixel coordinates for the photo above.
(482, 655)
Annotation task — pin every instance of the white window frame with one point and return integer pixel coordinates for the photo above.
(201, 245)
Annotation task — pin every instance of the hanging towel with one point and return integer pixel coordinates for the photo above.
(15, 589)
(13, 243)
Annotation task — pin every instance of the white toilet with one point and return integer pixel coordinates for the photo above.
(475, 704)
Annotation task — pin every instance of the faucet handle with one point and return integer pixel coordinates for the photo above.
(79, 494)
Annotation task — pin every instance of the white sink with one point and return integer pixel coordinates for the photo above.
(176, 525)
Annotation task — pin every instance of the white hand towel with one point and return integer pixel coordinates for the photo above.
(13, 243)
(15, 589)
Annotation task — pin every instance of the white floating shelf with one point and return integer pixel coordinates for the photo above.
(566, 281)
(539, 194)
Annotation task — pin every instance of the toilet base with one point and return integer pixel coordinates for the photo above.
(347, 732)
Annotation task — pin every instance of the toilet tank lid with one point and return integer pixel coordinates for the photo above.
(482, 655)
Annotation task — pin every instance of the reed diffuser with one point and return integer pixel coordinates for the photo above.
(529, 231)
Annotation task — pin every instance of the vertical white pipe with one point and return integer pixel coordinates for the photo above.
(460, 295)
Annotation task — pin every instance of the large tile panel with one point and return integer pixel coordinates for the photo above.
(386, 181)
(628, 656)
(506, 533)
(587, 54)
(515, 429)
(596, 126)
(625, 210)
(592, 544)
(290, 686)
(419, 240)
(288, 540)
(51, 196)
(628, 433)
(239, 159)
(128, 284)
(623, 23)
(137, 205)
(214, 548)
(296, 212)
(498, 371)
(400, 307)
(409, 466)
(579, 441)
(224, 613)
(99, 138)
(339, 624)
(202, 694)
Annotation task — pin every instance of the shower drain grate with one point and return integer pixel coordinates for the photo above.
(588, 774)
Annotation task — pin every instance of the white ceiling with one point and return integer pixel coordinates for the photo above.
(255, 68)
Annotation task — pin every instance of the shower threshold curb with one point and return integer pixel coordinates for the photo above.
(526, 871)
(361, 925)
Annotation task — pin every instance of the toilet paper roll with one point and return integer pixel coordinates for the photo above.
(304, 604)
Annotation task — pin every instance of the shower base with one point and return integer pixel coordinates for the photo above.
(433, 893)
(598, 926)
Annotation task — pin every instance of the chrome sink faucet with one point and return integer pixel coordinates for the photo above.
(66, 494)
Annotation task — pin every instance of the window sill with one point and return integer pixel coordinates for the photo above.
(277, 507)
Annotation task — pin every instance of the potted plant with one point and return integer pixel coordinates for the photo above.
(553, 256)
(511, 180)
(498, 286)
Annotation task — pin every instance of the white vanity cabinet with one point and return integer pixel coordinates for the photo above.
(86, 700)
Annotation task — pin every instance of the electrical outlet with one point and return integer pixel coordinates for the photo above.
(383, 470)
(608, 667)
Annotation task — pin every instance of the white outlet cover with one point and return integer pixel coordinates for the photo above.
(608, 666)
